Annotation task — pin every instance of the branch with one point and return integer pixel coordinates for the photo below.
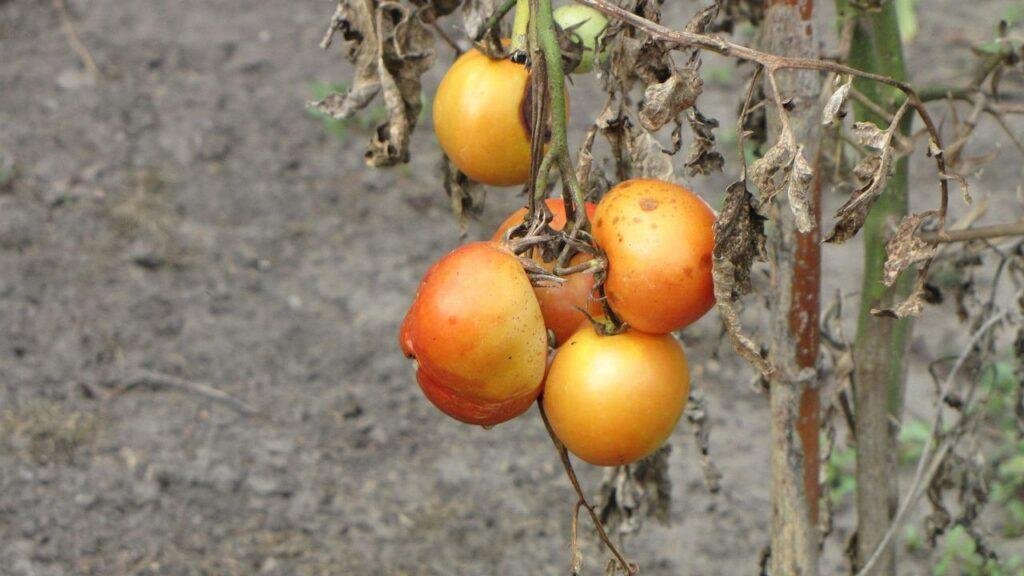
(773, 63)
(159, 380)
(977, 233)
(628, 567)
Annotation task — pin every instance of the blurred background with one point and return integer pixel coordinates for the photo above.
(177, 222)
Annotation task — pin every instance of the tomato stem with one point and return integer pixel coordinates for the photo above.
(520, 26)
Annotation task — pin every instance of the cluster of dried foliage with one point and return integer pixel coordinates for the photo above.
(652, 81)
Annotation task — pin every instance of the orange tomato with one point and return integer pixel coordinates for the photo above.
(658, 238)
(560, 304)
(480, 118)
(478, 335)
(615, 399)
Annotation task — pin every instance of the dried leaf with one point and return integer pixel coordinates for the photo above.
(872, 173)
(665, 101)
(739, 242)
(475, 14)
(631, 493)
(765, 170)
(834, 107)
(799, 191)
(905, 249)
(912, 306)
(703, 159)
(466, 195)
(703, 18)
(391, 48)
(870, 135)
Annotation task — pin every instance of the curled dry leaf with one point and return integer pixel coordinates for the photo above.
(665, 101)
(905, 249)
(391, 48)
(466, 195)
(631, 493)
(475, 14)
(703, 159)
(871, 175)
(739, 242)
(697, 416)
(912, 305)
(765, 172)
(834, 108)
(703, 18)
(798, 189)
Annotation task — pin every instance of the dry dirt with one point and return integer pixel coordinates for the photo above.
(186, 215)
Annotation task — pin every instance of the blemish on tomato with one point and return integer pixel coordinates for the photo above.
(648, 204)
(636, 220)
(452, 320)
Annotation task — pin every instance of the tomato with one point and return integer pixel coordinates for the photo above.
(589, 25)
(561, 304)
(480, 117)
(658, 238)
(477, 333)
(615, 399)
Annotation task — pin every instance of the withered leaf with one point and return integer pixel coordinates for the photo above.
(798, 190)
(836, 103)
(912, 306)
(391, 48)
(665, 101)
(905, 249)
(765, 170)
(475, 14)
(872, 173)
(739, 242)
(703, 18)
(647, 160)
(466, 195)
(703, 159)
(631, 493)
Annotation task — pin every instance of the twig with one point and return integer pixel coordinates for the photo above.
(563, 454)
(977, 233)
(495, 19)
(76, 43)
(931, 455)
(160, 380)
(773, 63)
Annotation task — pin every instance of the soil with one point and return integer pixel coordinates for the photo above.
(185, 214)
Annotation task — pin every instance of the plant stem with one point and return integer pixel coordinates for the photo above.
(495, 19)
(880, 345)
(520, 26)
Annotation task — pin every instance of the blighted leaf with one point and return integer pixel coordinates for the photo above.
(703, 159)
(465, 194)
(665, 101)
(739, 242)
(703, 18)
(647, 160)
(765, 171)
(798, 190)
(871, 174)
(905, 249)
(391, 48)
(912, 306)
(631, 493)
(836, 103)
(475, 14)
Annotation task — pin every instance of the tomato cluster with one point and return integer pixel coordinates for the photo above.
(480, 330)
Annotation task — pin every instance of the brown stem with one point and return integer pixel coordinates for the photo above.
(563, 454)
(977, 233)
(773, 63)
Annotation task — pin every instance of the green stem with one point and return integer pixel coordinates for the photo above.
(491, 26)
(520, 26)
(880, 345)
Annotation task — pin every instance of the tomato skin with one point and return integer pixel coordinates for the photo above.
(658, 238)
(477, 333)
(480, 121)
(615, 399)
(561, 304)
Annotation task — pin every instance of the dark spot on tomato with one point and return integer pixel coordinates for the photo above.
(616, 220)
(705, 260)
(648, 204)
(452, 320)
(654, 226)
(636, 220)
(600, 221)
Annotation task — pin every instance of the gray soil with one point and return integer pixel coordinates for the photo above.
(186, 215)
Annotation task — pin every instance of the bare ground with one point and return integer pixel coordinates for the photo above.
(185, 215)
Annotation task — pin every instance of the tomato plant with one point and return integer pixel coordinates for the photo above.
(615, 399)
(477, 334)
(563, 304)
(658, 237)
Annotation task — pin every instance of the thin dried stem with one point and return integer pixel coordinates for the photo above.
(74, 41)
(628, 567)
(977, 233)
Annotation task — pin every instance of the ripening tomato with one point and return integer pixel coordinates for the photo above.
(658, 238)
(560, 304)
(615, 399)
(480, 117)
(478, 335)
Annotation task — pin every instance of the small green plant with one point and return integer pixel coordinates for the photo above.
(840, 480)
(961, 557)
